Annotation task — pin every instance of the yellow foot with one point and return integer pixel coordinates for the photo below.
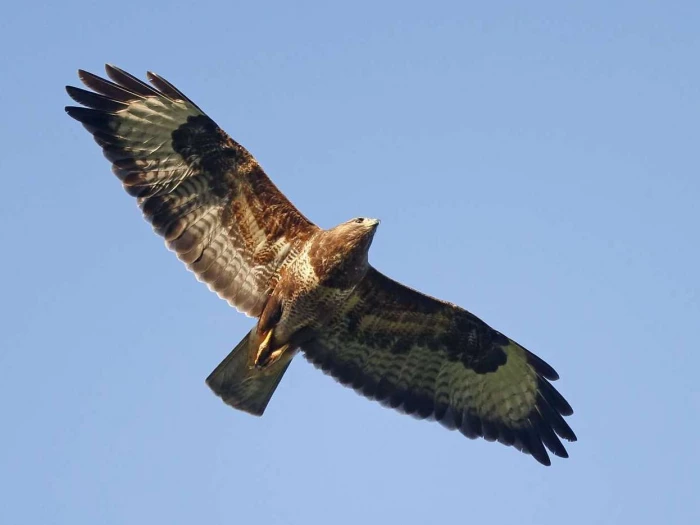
(265, 357)
(274, 356)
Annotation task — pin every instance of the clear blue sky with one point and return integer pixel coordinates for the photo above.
(537, 164)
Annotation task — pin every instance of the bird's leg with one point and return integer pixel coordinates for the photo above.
(274, 356)
(263, 352)
(266, 356)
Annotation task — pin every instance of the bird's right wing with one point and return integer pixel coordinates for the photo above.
(203, 192)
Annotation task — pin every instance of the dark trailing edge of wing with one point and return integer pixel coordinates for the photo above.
(546, 424)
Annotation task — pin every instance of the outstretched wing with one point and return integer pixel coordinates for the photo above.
(201, 190)
(435, 360)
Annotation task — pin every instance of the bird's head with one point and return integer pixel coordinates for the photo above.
(357, 234)
(340, 254)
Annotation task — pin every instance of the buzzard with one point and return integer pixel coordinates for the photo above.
(312, 290)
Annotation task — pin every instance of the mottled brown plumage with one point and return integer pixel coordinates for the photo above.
(311, 289)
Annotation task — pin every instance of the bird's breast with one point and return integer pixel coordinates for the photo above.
(307, 300)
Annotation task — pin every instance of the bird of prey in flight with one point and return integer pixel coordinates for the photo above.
(312, 290)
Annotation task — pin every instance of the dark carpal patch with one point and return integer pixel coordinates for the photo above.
(202, 144)
(489, 362)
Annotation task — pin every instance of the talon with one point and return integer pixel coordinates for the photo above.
(262, 349)
(274, 356)
(264, 357)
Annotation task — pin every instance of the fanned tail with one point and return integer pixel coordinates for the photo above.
(243, 386)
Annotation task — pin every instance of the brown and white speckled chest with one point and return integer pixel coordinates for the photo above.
(306, 301)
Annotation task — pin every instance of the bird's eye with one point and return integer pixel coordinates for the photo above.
(360, 220)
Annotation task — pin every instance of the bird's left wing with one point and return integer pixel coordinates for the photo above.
(201, 190)
(435, 360)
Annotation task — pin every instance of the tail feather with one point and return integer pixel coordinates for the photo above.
(243, 386)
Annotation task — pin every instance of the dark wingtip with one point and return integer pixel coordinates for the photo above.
(544, 461)
(533, 445)
(167, 88)
(85, 115)
(109, 67)
(115, 73)
(95, 100)
(554, 398)
(153, 77)
(130, 82)
(542, 367)
(550, 439)
(107, 88)
(74, 112)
